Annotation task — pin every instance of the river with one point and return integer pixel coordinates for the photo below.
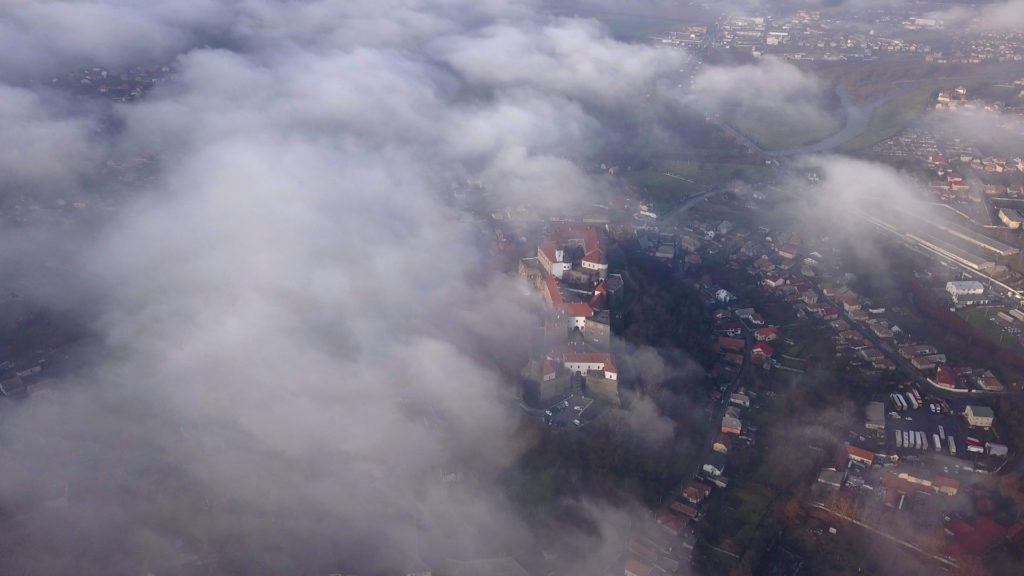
(857, 120)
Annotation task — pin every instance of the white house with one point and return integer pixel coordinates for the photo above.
(552, 255)
(739, 399)
(552, 258)
(957, 289)
(577, 313)
(715, 464)
(587, 362)
(595, 260)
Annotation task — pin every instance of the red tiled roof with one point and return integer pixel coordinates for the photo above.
(591, 240)
(597, 302)
(549, 367)
(945, 376)
(553, 290)
(860, 453)
(637, 568)
(726, 343)
(768, 331)
(762, 348)
(734, 358)
(548, 248)
(684, 509)
(671, 521)
(591, 358)
(728, 324)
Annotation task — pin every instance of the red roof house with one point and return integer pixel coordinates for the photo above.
(725, 343)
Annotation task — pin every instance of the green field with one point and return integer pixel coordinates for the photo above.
(980, 318)
(772, 136)
(890, 118)
(738, 516)
(668, 182)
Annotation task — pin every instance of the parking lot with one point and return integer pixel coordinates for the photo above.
(567, 413)
(924, 419)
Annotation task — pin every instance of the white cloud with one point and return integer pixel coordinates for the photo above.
(290, 320)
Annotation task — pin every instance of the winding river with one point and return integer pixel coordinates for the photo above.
(857, 120)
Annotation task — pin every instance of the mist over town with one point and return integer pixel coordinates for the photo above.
(511, 287)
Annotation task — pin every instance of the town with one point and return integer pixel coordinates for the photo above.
(733, 347)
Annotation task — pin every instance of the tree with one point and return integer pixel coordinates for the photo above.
(793, 513)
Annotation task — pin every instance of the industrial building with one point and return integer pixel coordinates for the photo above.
(960, 288)
(1011, 218)
(979, 416)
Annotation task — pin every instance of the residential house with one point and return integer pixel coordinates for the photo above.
(715, 464)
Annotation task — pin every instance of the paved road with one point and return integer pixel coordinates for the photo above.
(908, 370)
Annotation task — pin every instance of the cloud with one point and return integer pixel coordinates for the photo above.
(770, 91)
(571, 57)
(43, 38)
(1000, 16)
(295, 337)
(995, 132)
(44, 149)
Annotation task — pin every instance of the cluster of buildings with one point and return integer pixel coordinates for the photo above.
(119, 86)
(808, 35)
(863, 332)
(983, 48)
(731, 432)
(903, 460)
(986, 188)
(570, 272)
(905, 471)
(676, 520)
(885, 32)
(691, 36)
(20, 376)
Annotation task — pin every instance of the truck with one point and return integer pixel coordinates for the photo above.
(938, 443)
(912, 401)
(952, 446)
(942, 432)
(899, 402)
(906, 439)
(899, 439)
(916, 395)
